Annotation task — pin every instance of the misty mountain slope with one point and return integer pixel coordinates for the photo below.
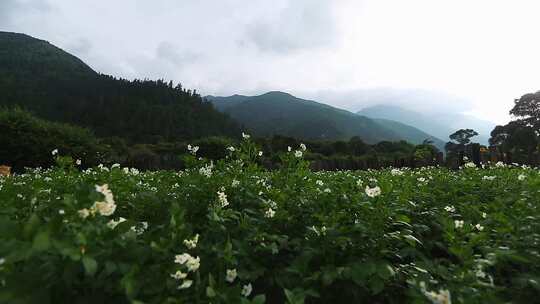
(412, 134)
(57, 86)
(281, 113)
(439, 125)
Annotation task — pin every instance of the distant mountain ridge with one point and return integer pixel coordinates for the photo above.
(281, 113)
(437, 125)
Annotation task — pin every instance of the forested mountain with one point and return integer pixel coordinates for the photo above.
(55, 85)
(440, 126)
(411, 134)
(283, 114)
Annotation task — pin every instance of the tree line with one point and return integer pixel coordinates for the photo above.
(516, 142)
(27, 141)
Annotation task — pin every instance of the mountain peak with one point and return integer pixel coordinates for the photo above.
(21, 52)
(277, 94)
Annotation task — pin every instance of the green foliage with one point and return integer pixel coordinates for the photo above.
(520, 137)
(213, 147)
(28, 141)
(292, 235)
(527, 110)
(463, 136)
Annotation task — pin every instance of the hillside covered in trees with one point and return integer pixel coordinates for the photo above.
(280, 113)
(57, 86)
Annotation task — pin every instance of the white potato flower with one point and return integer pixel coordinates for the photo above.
(222, 198)
(373, 192)
(179, 275)
(186, 284)
(182, 258)
(191, 244)
(193, 149)
(269, 213)
(106, 207)
(112, 223)
(83, 213)
(396, 172)
(231, 275)
(440, 297)
(193, 264)
(500, 164)
(246, 290)
(470, 165)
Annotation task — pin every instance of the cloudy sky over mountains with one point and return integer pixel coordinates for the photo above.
(476, 55)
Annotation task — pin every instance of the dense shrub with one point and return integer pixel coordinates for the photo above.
(26, 141)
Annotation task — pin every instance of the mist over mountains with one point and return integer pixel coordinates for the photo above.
(438, 124)
(437, 113)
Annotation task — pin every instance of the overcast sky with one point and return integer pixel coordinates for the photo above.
(476, 55)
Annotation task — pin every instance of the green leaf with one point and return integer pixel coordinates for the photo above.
(360, 272)
(210, 292)
(412, 240)
(289, 295)
(31, 225)
(260, 299)
(376, 285)
(42, 241)
(211, 280)
(90, 265)
(110, 267)
(403, 218)
(385, 271)
(329, 275)
(297, 296)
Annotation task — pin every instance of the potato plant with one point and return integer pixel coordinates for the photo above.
(230, 231)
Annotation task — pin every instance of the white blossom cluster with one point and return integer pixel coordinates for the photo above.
(105, 207)
(191, 263)
(193, 149)
(373, 192)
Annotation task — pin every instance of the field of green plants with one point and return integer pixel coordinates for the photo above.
(233, 232)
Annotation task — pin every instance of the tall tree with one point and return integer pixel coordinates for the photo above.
(459, 141)
(527, 110)
(463, 136)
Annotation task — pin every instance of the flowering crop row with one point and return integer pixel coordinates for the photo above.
(232, 232)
